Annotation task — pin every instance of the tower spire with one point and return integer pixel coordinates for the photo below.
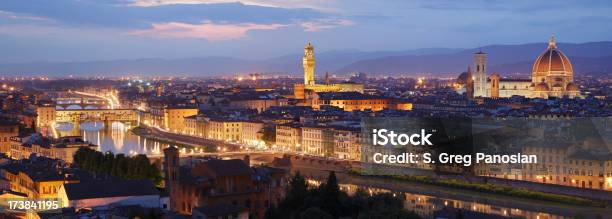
(551, 43)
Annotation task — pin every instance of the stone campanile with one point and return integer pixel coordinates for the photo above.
(309, 65)
(480, 74)
(171, 167)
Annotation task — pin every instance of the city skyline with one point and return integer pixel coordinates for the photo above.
(274, 109)
(68, 30)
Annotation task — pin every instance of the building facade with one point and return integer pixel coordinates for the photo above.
(289, 136)
(317, 140)
(221, 182)
(350, 101)
(552, 75)
(300, 90)
(347, 144)
(8, 129)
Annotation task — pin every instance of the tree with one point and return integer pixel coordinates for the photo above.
(330, 196)
(328, 201)
(108, 164)
(269, 135)
(314, 212)
(296, 192)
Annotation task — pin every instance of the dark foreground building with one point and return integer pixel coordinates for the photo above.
(225, 184)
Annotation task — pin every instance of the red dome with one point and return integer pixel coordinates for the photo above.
(552, 60)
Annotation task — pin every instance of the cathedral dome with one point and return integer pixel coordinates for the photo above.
(552, 61)
(571, 87)
(541, 87)
(462, 79)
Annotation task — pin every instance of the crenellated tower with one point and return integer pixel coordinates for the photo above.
(309, 65)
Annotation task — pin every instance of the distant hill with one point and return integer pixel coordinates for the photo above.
(586, 57)
(582, 65)
(505, 59)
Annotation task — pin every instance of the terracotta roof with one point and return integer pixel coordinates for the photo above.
(233, 167)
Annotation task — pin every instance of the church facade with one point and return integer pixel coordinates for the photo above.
(552, 76)
(300, 90)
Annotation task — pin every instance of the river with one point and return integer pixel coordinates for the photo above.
(423, 199)
(113, 136)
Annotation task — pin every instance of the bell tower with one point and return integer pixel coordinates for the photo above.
(309, 64)
(480, 75)
(171, 167)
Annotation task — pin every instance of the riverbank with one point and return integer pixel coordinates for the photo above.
(497, 189)
(441, 193)
(440, 183)
(145, 132)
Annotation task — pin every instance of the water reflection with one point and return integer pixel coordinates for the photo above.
(112, 136)
(425, 205)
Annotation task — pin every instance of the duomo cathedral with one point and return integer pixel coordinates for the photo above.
(552, 75)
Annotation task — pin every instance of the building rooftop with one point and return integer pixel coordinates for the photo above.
(111, 188)
(233, 167)
(346, 96)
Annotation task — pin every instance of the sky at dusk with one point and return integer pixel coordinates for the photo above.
(85, 30)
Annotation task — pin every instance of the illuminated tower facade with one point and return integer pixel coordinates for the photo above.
(480, 74)
(309, 65)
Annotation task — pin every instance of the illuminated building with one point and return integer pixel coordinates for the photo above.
(171, 118)
(45, 116)
(561, 164)
(318, 140)
(300, 90)
(62, 148)
(480, 74)
(224, 129)
(244, 131)
(175, 117)
(552, 76)
(191, 125)
(347, 143)
(289, 136)
(252, 132)
(308, 61)
(37, 178)
(349, 101)
(8, 129)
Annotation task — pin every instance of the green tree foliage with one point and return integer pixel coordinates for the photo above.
(328, 201)
(108, 164)
(269, 135)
